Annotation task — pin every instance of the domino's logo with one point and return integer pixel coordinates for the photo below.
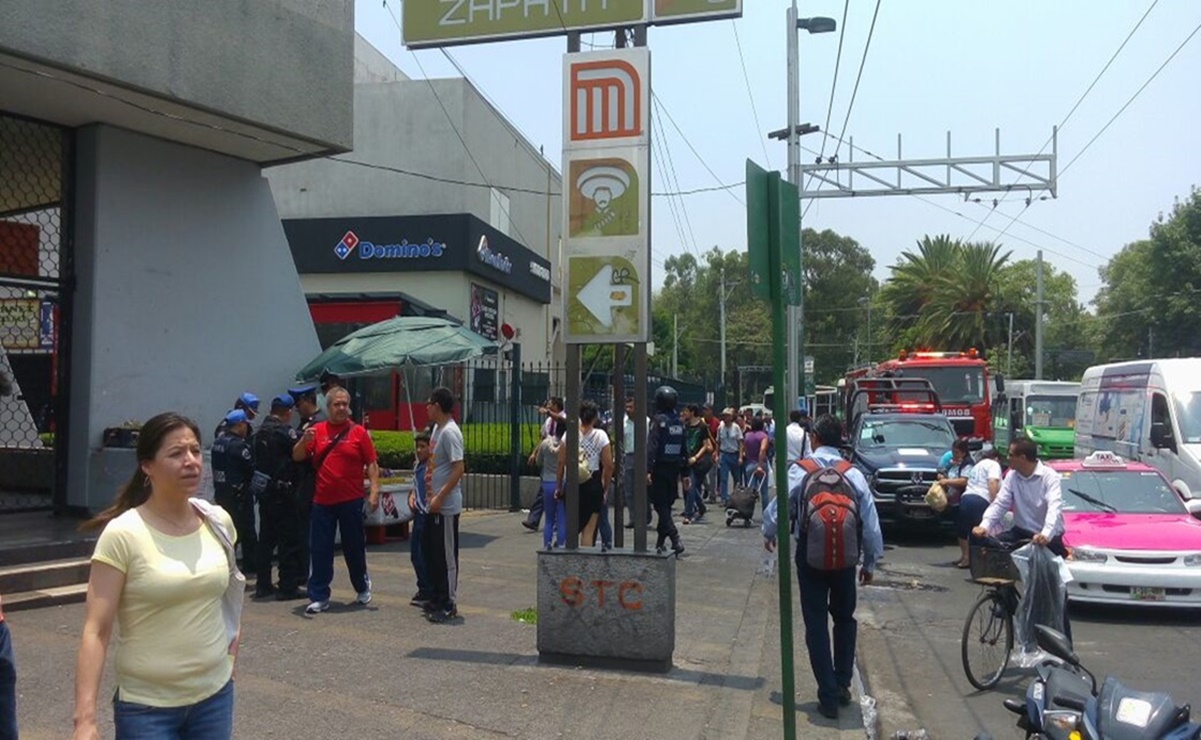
(347, 245)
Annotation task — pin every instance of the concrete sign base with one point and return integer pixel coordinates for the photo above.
(612, 610)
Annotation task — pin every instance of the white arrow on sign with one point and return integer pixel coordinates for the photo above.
(600, 296)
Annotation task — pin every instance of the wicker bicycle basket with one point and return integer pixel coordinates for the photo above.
(989, 562)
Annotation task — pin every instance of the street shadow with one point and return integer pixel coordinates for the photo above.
(1121, 614)
(683, 675)
(467, 541)
(810, 709)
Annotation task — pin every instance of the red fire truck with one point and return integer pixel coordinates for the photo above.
(964, 384)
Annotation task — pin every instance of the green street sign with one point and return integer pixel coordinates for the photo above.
(446, 22)
(758, 228)
(772, 221)
(673, 11)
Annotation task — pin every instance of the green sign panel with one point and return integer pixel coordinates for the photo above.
(773, 222)
(671, 11)
(447, 22)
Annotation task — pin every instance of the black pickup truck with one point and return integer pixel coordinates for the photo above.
(896, 438)
(898, 453)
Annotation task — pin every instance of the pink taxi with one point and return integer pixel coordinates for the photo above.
(1131, 537)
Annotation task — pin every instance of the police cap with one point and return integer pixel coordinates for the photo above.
(299, 392)
(282, 401)
(237, 416)
(248, 401)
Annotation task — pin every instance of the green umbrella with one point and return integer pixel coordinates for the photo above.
(395, 343)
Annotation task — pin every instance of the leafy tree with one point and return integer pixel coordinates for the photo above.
(1148, 305)
(838, 279)
(1066, 325)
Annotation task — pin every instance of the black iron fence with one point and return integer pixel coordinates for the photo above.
(35, 298)
(500, 399)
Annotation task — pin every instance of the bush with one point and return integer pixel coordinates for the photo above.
(486, 448)
(47, 439)
(394, 449)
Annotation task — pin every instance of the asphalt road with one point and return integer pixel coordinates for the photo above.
(910, 627)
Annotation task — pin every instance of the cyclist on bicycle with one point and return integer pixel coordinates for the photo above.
(1032, 490)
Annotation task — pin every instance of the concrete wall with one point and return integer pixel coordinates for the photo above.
(187, 294)
(450, 291)
(282, 64)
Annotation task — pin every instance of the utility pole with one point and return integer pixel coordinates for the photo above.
(1150, 343)
(675, 345)
(795, 344)
(721, 302)
(1038, 320)
(1009, 357)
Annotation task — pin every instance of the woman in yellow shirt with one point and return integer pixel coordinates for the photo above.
(160, 573)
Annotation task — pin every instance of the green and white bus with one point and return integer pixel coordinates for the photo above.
(1043, 410)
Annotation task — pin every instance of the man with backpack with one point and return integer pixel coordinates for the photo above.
(834, 520)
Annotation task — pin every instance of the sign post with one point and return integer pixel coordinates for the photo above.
(772, 230)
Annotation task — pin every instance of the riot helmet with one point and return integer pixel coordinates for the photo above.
(665, 398)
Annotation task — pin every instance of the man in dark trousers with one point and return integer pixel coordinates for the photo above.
(233, 465)
(304, 478)
(279, 509)
(444, 504)
(829, 592)
(664, 461)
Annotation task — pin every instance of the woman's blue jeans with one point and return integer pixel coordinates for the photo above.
(207, 719)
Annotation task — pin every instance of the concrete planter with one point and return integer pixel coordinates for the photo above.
(616, 609)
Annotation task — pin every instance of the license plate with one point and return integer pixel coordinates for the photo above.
(1146, 593)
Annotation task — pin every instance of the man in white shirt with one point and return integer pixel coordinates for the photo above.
(1032, 490)
(632, 440)
(798, 439)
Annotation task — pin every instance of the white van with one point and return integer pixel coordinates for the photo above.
(1148, 411)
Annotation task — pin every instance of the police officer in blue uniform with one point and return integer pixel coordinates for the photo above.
(247, 402)
(279, 508)
(305, 480)
(665, 459)
(233, 466)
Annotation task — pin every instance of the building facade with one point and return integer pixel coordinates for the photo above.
(143, 265)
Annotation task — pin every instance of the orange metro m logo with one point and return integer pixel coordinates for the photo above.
(606, 100)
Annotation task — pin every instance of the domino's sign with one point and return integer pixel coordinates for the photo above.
(351, 244)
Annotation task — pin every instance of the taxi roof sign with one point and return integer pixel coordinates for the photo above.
(1103, 459)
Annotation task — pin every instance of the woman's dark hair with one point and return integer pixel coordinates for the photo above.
(559, 429)
(137, 490)
(757, 424)
(588, 413)
(443, 397)
(960, 445)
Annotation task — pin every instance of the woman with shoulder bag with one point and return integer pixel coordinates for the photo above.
(162, 571)
(983, 483)
(597, 455)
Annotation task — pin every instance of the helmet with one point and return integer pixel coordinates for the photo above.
(665, 398)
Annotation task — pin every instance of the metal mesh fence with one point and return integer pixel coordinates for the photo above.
(33, 258)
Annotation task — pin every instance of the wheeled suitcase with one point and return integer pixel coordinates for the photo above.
(743, 500)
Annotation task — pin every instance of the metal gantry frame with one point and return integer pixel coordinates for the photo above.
(1033, 173)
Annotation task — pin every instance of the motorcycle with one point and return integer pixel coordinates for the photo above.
(1064, 703)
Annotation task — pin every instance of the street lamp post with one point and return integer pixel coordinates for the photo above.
(867, 300)
(796, 314)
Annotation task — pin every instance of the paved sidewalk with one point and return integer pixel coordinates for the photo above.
(383, 671)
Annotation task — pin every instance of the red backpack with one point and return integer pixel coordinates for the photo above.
(825, 516)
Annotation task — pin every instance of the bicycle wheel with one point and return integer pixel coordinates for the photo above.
(987, 641)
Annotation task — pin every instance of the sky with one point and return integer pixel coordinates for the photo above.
(932, 66)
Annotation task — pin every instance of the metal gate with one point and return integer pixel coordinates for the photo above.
(36, 279)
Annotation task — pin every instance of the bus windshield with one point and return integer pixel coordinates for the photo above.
(955, 385)
(1051, 411)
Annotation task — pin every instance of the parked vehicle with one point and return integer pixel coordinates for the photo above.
(1042, 410)
(897, 446)
(1145, 411)
(1064, 702)
(1131, 537)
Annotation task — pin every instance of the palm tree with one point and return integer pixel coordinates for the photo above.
(966, 298)
(942, 295)
(914, 285)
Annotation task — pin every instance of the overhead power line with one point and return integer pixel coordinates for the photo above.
(728, 188)
(751, 96)
(858, 78)
(842, 30)
(1079, 100)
